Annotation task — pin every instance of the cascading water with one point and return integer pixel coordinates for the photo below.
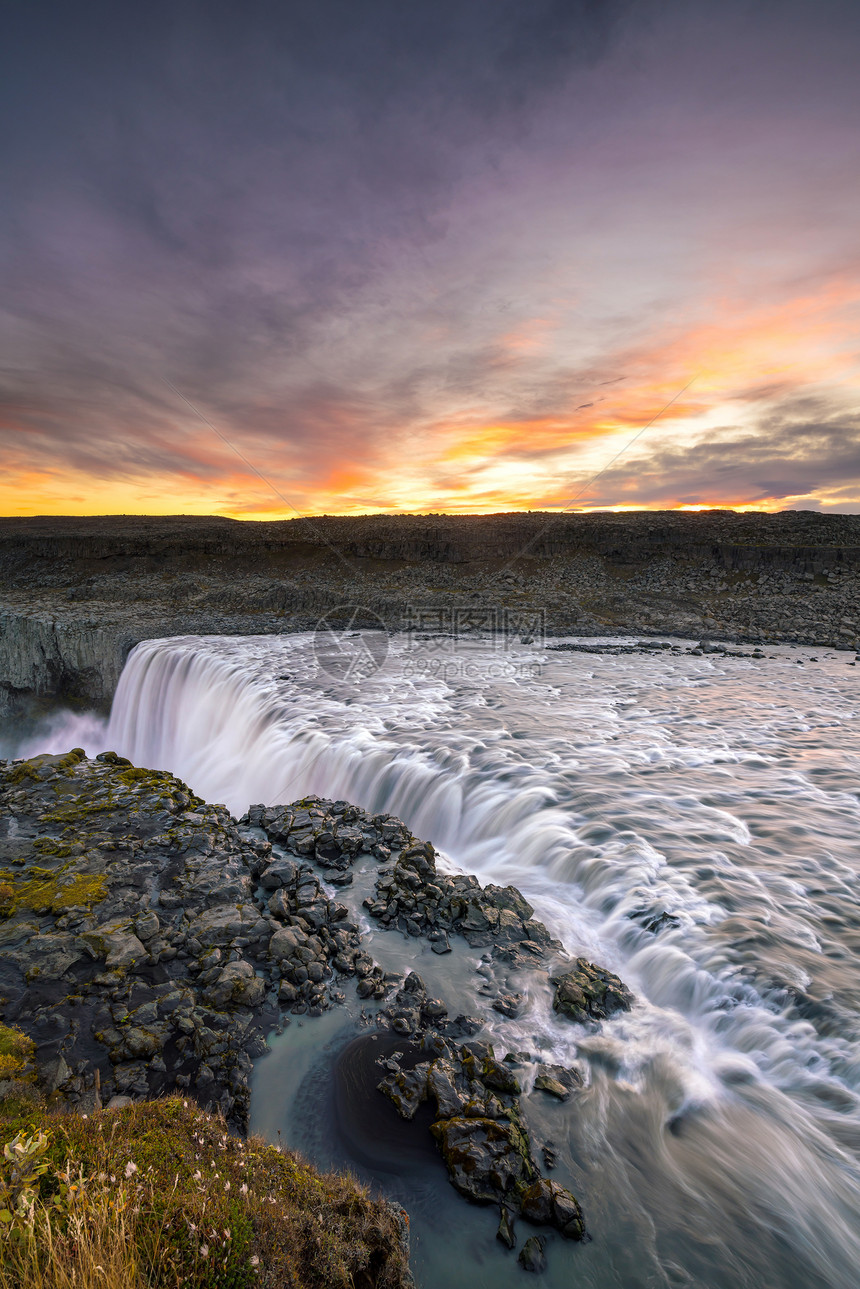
(714, 800)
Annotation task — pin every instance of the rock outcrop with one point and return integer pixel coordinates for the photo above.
(589, 993)
(481, 1135)
(150, 942)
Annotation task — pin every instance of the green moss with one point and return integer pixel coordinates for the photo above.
(46, 890)
(80, 811)
(18, 773)
(43, 766)
(53, 846)
(16, 1053)
(136, 775)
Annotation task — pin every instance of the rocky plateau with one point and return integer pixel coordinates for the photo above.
(77, 594)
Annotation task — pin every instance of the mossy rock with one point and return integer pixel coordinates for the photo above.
(50, 891)
(488, 1160)
(16, 1054)
(590, 993)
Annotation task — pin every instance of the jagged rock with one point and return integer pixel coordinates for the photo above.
(285, 942)
(558, 1081)
(139, 1042)
(505, 1232)
(655, 922)
(406, 1089)
(531, 1255)
(281, 872)
(149, 907)
(508, 1005)
(548, 1154)
(545, 1083)
(498, 1076)
(238, 985)
(590, 993)
(547, 1203)
(224, 926)
(119, 947)
(488, 1160)
(446, 1085)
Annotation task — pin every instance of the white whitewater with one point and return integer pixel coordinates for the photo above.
(722, 792)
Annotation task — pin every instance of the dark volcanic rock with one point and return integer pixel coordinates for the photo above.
(481, 1134)
(137, 949)
(547, 1204)
(488, 1160)
(590, 993)
(558, 1081)
(531, 1256)
(149, 942)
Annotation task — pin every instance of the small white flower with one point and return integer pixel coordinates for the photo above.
(226, 1186)
(255, 1261)
(243, 1189)
(204, 1250)
(130, 1169)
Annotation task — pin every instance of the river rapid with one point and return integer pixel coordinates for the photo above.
(711, 799)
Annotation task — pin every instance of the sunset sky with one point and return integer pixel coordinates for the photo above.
(413, 256)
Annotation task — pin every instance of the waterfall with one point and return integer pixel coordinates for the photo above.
(690, 822)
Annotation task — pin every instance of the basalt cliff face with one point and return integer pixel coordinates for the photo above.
(77, 594)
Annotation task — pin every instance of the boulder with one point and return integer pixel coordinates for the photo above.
(505, 1233)
(547, 1203)
(238, 985)
(226, 923)
(282, 872)
(406, 1089)
(531, 1257)
(488, 1160)
(118, 946)
(589, 993)
(285, 942)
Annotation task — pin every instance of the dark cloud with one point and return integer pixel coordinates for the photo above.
(800, 446)
(198, 190)
(280, 207)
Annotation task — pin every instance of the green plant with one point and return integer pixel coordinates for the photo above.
(24, 1164)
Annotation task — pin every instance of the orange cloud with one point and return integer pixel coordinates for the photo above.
(747, 354)
(742, 354)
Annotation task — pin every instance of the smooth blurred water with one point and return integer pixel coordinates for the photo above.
(717, 1142)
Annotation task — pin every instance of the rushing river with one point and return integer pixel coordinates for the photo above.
(717, 1141)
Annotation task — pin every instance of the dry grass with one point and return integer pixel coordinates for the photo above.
(99, 1253)
(159, 1195)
